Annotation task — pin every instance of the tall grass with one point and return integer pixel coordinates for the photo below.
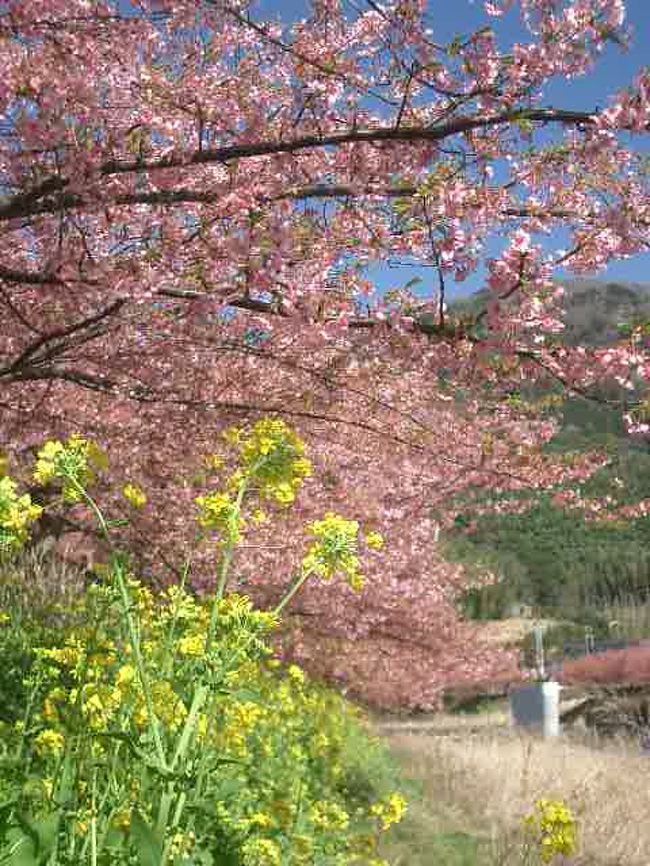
(38, 592)
(629, 616)
(39, 584)
(481, 786)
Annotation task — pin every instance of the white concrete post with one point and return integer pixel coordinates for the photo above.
(537, 707)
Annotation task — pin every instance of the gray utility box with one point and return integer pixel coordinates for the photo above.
(537, 707)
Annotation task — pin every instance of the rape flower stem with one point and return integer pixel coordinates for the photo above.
(126, 605)
(139, 663)
(178, 811)
(291, 592)
(224, 569)
(93, 822)
(93, 507)
(169, 639)
(198, 700)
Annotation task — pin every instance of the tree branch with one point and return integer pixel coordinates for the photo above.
(55, 342)
(43, 198)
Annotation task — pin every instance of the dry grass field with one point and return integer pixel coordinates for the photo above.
(476, 788)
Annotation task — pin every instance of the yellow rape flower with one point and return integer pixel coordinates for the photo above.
(296, 674)
(374, 540)
(191, 645)
(272, 459)
(232, 435)
(334, 549)
(258, 516)
(122, 820)
(201, 727)
(47, 461)
(261, 820)
(329, 815)
(125, 677)
(69, 656)
(260, 852)
(74, 463)
(390, 810)
(218, 511)
(182, 844)
(16, 515)
(99, 705)
(167, 705)
(49, 743)
(214, 462)
(134, 495)
(554, 827)
(82, 823)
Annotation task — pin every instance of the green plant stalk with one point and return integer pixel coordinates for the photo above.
(163, 813)
(201, 774)
(105, 798)
(93, 822)
(224, 570)
(197, 793)
(184, 740)
(178, 811)
(97, 839)
(94, 508)
(139, 662)
(25, 720)
(200, 778)
(180, 754)
(172, 626)
(133, 637)
(278, 609)
(291, 592)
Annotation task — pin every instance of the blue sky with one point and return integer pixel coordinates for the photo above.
(615, 70)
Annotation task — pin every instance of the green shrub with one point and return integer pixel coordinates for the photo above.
(159, 728)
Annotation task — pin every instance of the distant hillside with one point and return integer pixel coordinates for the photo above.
(551, 559)
(594, 308)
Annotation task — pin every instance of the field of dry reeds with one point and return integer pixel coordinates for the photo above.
(477, 786)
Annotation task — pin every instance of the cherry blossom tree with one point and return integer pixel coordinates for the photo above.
(190, 197)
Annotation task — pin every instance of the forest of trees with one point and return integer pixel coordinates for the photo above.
(557, 560)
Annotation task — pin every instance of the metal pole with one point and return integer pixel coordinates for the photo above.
(538, 634)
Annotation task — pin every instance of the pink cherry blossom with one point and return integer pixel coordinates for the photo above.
(190, 197)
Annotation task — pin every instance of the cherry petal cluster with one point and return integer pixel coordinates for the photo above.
(190, 199)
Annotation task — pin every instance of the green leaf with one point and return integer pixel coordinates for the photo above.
(47, 830)
(246, 695)
(114, 838)
(20, 849)
(147, 845)
(229, 788)
(65, 790)
(32, 842)
(5, 813)
(25, 829)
